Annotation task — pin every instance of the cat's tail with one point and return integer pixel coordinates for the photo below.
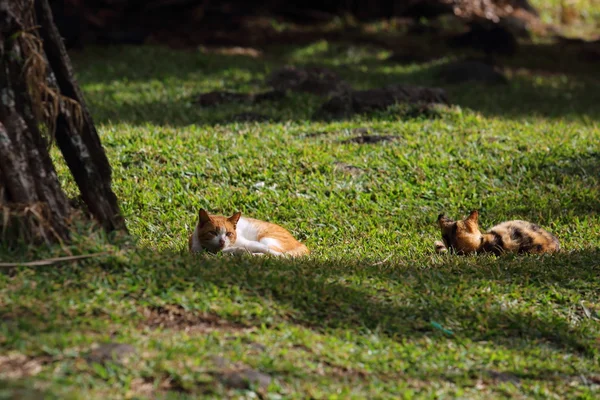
(298, 251)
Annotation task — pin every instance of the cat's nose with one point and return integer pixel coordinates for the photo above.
(221, 242)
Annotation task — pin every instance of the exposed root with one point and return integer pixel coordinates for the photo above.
(27, 223)
(47, 101)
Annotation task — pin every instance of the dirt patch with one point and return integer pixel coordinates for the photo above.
(177, 318)
(595, 379)
(347, 169)
(243, 379)
(17, 366)
(341, 371)
(493, 378)
(470, 71)
(371, 139)
(257, 347)
(407, 57)
(106, 352)
(590, 54)
(490, 38)
(17, 312)
(271, 95)
(233, 51)
(251, 117)
(229, 374)
(215, 98)
(316, 80)
(316, 134)
(422, 110)
(238, 375)
(153, 387)
(361, 101)
(146, 387)
(498, 376)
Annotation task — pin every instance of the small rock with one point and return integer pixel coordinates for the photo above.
(110, 352)
(244, 379)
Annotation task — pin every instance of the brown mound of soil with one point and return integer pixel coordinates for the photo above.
(360, 101)
(315, 80)
(216, 98)
(470, 71)
(371, 139)
(176, 317)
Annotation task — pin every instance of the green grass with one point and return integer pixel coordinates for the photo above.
(373, 313)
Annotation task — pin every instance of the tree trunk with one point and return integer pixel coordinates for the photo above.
(81, 147)
(39, 100)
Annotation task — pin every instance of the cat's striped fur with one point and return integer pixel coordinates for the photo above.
(464, 237)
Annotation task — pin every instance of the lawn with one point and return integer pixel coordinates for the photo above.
(373, 312)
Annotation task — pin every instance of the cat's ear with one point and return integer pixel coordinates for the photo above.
(235, 218)
(474, 216)
(472, 221)
(203, 217)
(443, 220)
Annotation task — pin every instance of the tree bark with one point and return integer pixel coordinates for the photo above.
(34, 205)
(39, 99)
(80, 145)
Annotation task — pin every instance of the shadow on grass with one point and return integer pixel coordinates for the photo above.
(517, 302)
(465, 296)
(22, 390)
(157, 85)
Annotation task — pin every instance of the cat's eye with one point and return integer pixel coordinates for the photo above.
(229, 234)
(214, 233)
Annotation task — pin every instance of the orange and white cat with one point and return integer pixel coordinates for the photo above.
(238, 234)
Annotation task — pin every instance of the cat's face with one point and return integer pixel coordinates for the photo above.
(464, 236)
(216, 233)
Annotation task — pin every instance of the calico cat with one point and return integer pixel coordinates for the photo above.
(238, 234)
(464, 237)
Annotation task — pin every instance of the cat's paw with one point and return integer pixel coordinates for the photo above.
(235, 251)
(440, 247)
